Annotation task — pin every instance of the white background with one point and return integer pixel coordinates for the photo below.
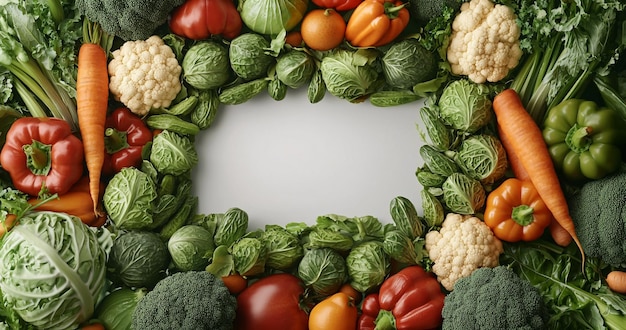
(290, 160)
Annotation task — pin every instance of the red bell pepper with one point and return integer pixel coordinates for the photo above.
(125, 136)
(42, 156)
(201, 19)
(409, 300)
(338, 5)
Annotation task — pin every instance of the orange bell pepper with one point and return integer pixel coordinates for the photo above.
(75, 202)
(376, 23)
(515, 212)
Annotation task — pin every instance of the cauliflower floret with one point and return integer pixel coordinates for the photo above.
(144, 74)
(463, 244)
(484, 44)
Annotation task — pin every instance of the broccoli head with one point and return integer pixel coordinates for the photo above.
(190, 300)
(494, 298)
(425, 10)
(598, 209)
(128, 19)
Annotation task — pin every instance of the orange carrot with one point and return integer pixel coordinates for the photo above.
(616, 280)
(514, 162)
(92, 96)
(526, 142)
(560, 236)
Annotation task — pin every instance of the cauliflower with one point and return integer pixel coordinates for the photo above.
(484, 44)
(144, 74)
(463, 244)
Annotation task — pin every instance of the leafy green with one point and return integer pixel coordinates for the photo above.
(323, 270)
(577, 299)
(38, 47)
(191, 247)
(568, 42)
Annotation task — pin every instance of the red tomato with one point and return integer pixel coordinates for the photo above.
(201, 19)
(272, 302)
(339, 5)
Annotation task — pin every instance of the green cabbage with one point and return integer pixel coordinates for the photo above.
(191, 248)
(206, 65)
(129, 199)
(283, 248)
(407, 63)
(465, 106)
(249, 255)
(248, 56)
(138, 259)
(272, 16)
(295, 68)
(462, 194)
(173, 153)
(482, 157)
(52, 270)
(116, 309)
(368, 265)
(350, 75)
(323, 270)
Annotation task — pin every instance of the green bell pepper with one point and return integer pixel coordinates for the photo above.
(584, 139)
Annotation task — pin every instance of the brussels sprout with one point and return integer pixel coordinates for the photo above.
(433, 210)
(191, 247)
(277, 89)
(138, 259)
(248, 57)
(270, 17)
(399, 247)
(231, 227)
(407, 63)
(249, 255)
(482, 157)
(323, 270)
(283, 248)
(438, 162)
(52, 271)
(438, 133)
(427, 178)
(368, 265)
(205, 112)
(129, 199)
(466, 106)
(348, 74)
(462, 194)
(317, 88)
(115, 311)
(405, 217)
(173, 153)
(359, 228)
(323, 237)
(206, 65)
(295, 68)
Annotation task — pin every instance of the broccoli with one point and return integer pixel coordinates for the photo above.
(494, 298)
(425, 10)
(598, 209)
(191, 300)
(128, 19)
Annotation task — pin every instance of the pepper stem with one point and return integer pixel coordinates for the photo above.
(392, 10)
(523, 215)
(577, 138)
(115, 140)
(38, 157)
(385, 320)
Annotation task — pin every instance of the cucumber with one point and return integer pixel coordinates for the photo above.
(172, 123)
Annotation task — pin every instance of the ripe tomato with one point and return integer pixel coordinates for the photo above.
(272, 302)
(323, 29)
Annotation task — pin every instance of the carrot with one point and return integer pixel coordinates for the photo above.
(235, 283)
(616, 280)
(514, 162)
(560, 236)
(7, 224)
(92, 97)
(526, 142)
